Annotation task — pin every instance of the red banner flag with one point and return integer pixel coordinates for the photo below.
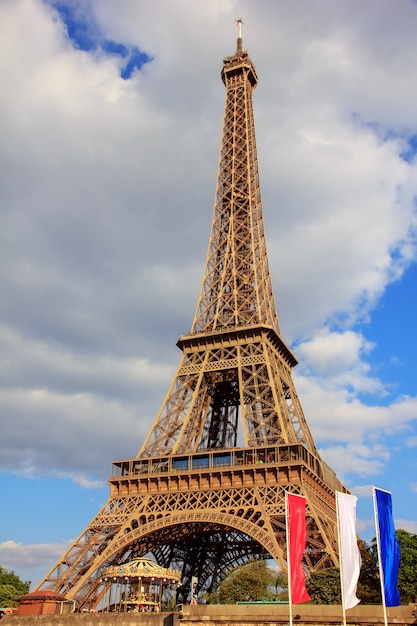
(296, 543)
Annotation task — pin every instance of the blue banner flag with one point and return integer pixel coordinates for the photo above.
(389, 550)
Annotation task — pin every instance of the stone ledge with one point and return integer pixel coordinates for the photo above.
(229, 615)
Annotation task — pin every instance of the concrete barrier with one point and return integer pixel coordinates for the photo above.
(228, 615)
(303, 614)
(93, 619)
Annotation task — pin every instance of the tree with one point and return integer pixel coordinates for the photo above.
(251, 582)
(281, 586)
(255, 581)
(324, 586)
(11, 587)
(407, 575)
(369, 585)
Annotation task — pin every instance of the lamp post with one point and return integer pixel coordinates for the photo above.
(115, 592)
(108, 595)
(125, 596)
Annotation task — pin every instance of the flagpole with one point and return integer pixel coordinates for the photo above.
(340, 560)
(381, 569)
(287, 530)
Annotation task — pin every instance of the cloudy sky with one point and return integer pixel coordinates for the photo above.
(111, 118)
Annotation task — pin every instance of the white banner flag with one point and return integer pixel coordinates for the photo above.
(350, 556)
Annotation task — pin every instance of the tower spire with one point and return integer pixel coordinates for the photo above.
(239, 37)
(237, 288)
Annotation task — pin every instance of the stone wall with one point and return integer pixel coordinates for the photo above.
(303, 614)
(93, 619)
(221, 615)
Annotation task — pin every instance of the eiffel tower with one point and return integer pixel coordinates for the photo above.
(206, 491)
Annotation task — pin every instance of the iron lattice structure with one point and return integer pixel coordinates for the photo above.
(206, 491)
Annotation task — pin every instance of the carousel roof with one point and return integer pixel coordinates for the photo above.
(142, 568)
(42, 594)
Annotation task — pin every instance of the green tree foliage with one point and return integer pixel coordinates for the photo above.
(11, 587)
(369, 586)
(256, 581)
(280, 586)
(324, 586)
(250, 583)
(407, 575)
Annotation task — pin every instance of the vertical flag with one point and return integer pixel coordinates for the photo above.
(349, 554)
(389, 550)
(296, 543)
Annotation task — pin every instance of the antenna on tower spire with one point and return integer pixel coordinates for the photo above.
(239, 36)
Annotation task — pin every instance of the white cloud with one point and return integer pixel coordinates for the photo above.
(408, 525)
(336, 414)
(365, 529)
(364, 491)
(337, 360)
(15, 555)
(108, 197)
(75, 433)
(359, 459)
(83, 481)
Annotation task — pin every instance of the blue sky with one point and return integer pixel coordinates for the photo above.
(85, 34)
(112, 128)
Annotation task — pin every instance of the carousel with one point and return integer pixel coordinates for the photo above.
(139, 585)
